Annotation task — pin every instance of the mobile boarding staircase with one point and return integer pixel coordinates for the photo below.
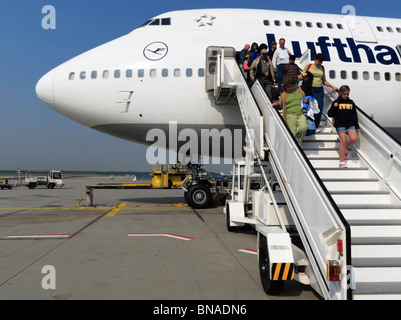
(349, 220)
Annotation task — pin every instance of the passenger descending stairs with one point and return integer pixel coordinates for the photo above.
(373, 212)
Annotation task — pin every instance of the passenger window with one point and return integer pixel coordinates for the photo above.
(94, 74)
(399, 30)
(309, 24)
(332, 74)
(82, 76)
(188, 72)
(340, 26)
(277, 23)
(387, 76)
(330, 26)
(165, 73)
(319, 25)
(288, 23)
(355, 75)
(380, 29)
(105, 74)
(117, 73)
(266, 22)
(366, 75)
(128, 73)
(177, 73)
(389, 29)
(398, 76)
(298, 24)
(344, 74)
(71, 76)
(152, 73)
(377, 76)
(141, 73)
(201, 72)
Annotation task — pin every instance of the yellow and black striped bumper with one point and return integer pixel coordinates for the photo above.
(282, 271)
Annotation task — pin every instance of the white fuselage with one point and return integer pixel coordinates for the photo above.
(155, 74)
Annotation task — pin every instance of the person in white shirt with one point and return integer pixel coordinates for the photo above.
(281, 58)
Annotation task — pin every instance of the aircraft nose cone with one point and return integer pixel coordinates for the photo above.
(45, 89)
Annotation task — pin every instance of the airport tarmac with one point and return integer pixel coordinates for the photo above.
(135, 244)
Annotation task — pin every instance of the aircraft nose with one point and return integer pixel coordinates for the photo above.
(45, 89)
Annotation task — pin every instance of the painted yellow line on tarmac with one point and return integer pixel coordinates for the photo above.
(118, 208)
(94, 208)
(113, 212)
(144, 206)
(56, 208)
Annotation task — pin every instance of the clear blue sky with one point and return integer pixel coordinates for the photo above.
(32, 136)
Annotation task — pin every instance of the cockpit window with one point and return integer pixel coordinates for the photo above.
(146, 23)
(154, 22)
(166, 21)
(158, 22)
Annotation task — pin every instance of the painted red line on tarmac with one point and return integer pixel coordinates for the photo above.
(170, 235)
(249, 251)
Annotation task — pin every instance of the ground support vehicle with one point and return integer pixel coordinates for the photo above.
(168, 176)
(163, 176)
(202, 191)
(5, 185)
(53, 179)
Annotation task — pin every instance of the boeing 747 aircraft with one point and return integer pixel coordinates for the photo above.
(156, 74)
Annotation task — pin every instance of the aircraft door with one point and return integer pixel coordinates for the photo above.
(360, 29)
(211, 58)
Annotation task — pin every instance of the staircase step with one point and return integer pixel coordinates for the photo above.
(312, 144)
(333, 164)
(322, 137)
(350, 179)
(368, 206)
(344, 175)
(354, 186)
(376, 255)
(394, 296)
(361, 201)
(378, 280)
(372, 216)
(327, 128)
(324, 154)
(375, 235)
(360, 192)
